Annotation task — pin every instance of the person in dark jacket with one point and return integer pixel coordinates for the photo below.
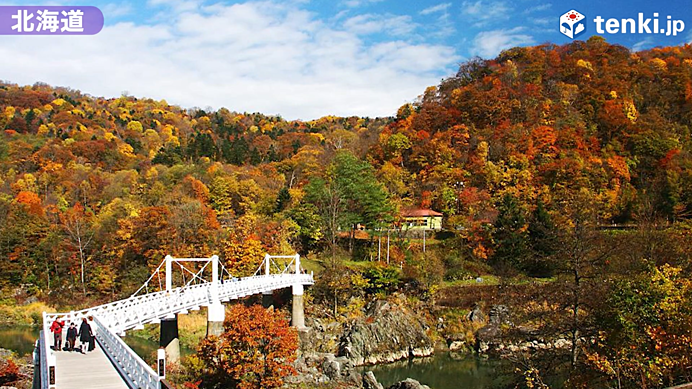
(71, 336)
(92, 341)
(85, 335)
(56, 328)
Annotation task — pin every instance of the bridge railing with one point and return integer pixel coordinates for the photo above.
(131, 366)
(261, 283)
(42, 356)
(46, 357)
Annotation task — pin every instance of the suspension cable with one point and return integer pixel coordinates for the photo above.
(149, 279)
(196, 275)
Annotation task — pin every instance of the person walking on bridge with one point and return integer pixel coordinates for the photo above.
(85, 335)
(71, 336)
(56, 329)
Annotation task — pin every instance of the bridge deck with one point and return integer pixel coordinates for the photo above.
(91, 370)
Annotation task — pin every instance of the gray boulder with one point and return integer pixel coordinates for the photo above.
(498, 315)
(370, 382)
(339, 369)
(409, 383)
(488, 336)
(332, 369)
(476, 315)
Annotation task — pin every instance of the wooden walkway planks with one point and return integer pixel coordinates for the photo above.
(92, 370)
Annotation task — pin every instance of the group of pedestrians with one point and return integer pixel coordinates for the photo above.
(85, 334)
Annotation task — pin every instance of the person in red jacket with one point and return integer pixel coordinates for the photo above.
(56, 329)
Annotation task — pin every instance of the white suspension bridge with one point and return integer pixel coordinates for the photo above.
(114, 364)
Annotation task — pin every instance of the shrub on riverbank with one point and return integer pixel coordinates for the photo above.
(15, 372)
(30, 314)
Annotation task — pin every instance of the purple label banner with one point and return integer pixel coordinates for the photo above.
(50, 20)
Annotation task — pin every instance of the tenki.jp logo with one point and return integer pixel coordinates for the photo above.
(573, 24)
(640, 25)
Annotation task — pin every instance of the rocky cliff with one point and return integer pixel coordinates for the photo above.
(387, 333)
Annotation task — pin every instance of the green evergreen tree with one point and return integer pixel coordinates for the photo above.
(282, 200)
(542, 239)
(510, 235)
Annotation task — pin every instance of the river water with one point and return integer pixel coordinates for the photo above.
(19, 339)
(443, 371)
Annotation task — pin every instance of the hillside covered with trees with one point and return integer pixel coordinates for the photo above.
(534, 158)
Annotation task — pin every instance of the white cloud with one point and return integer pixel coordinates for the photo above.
(644, 44)
(488, 44)
(113, 10)
(401, 55)
(254, 56)
(538, 8)
(486, 11)
(373, 23)
(542, 21)
(444, 27)
(359, 3)
(177, 5)
(436, 8)
(341, 14)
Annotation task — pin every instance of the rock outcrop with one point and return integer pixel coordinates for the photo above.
(409, 383)
(330, 351)
(370, 382)
(516, 338)
(318, 368)
(323, 337)
(388, 333)
(487, 337)
(476, 315)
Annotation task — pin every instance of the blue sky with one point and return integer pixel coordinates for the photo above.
(301, 59)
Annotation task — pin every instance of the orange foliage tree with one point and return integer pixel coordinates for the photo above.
(31, 201)
(255, 351)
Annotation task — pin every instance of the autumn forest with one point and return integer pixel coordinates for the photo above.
(563, 172)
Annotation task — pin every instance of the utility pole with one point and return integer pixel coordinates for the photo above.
(387, 246)
(379, 244)
(423, 239)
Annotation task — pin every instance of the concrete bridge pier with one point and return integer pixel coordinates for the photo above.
(267, 299)
(169, 340)
(298, 308)
(216, 314)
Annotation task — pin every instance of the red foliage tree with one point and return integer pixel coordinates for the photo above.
(9, 372)
(255, 351)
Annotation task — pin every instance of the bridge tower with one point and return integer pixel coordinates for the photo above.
(216, 312)
(267, 297)
(298, 305)
(168, 337)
